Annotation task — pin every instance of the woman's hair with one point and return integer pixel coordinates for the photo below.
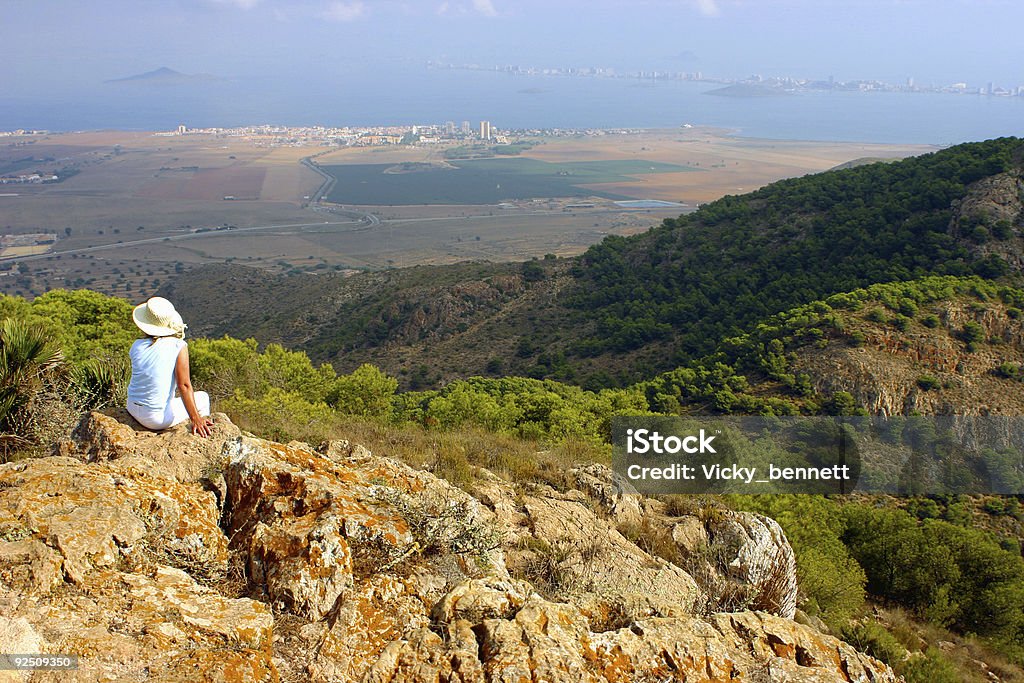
(153, 339)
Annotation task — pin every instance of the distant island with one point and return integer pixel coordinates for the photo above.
(164, 76)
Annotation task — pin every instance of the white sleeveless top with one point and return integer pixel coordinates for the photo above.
(153, 376)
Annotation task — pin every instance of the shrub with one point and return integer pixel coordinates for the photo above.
(980, 234)
(366, 392)
(908, 307)
(875, 315)
(532, 271)
(927, 382)
(1009, 371)
(1002, 230)
(972, 332)
(30, 364)
(924, 508)
(873, 638)
(281, 416)
(932, 667)
(931, 321)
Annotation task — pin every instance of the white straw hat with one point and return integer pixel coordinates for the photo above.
(157, 318)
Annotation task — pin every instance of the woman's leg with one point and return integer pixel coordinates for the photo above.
(176, 413)
(150, 419)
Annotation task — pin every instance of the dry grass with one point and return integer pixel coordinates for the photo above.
(455, 455)
(964, 652)
(559, 568)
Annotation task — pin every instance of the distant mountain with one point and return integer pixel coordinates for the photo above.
(164, 76)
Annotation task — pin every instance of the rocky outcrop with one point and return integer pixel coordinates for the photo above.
(248, 560)
(883, 372)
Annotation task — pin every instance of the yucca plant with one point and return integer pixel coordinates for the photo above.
(29, 360)
(101, 383)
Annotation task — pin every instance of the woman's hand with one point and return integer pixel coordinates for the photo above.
(202, 426)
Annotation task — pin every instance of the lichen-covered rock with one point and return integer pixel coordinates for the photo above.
(18, 637)
(173, 452)
(360, 568)
(173, 610)
(297, 516)
(591, 556)
(94, 515)
(612, 492)
(478, 599)
(161, 626)
(29, 566)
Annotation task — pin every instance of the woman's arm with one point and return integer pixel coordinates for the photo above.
(200, 424)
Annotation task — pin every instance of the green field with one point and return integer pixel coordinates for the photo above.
(484, 181)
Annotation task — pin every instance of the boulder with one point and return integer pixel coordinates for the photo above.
(173, 452)
(304, 520)
(758, 555)
(95, 515)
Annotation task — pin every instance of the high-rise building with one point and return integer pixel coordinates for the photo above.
(485, 130)
(467, 128)
(182, 129)
(449, 128)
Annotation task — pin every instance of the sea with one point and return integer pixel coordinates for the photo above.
(422, 95)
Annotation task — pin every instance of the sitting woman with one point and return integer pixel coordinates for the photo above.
(159, 365)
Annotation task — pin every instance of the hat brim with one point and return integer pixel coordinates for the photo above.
(144, 321)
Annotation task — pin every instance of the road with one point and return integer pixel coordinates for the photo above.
(361, 220)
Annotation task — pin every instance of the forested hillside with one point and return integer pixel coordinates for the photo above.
(700, 278)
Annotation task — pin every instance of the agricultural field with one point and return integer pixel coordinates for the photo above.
(140, 208)
(485, 181)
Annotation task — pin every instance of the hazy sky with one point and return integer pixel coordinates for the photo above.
(56, 45)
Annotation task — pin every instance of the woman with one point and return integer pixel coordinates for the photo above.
(159, 364)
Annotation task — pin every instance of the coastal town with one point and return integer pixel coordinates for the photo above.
(781, 84)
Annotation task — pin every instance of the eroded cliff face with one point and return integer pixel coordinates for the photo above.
(884, 372)
(997, 204)
(165, 557)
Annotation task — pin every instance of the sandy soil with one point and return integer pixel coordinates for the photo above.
(727, 165)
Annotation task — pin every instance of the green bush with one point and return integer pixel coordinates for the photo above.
(900, 322)
(927, 383)
(1002, 230)
(930, 320)
(367, 392)
(972, 332)
(875, 315)
(908, 307)
(946, 573)
(932, 667)
(872, 638)
(1009, 371)
(980, 234)
(281, 416)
